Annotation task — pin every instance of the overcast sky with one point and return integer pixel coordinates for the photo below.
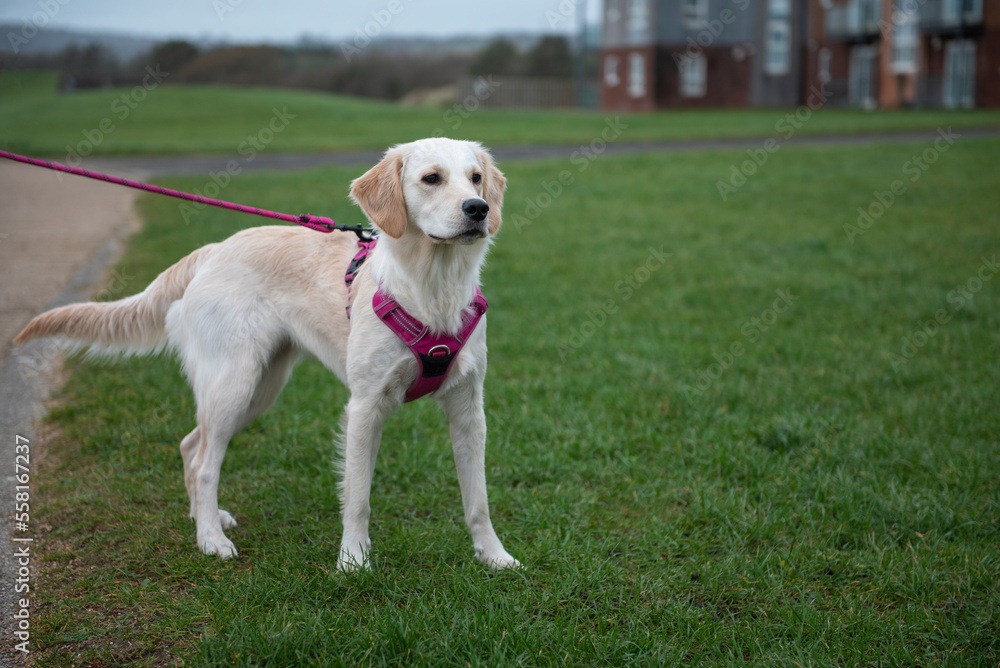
(288, 20)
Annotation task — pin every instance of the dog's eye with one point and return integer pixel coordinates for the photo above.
(476, 178)
(431, 179)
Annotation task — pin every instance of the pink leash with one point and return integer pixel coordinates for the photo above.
(318, 223)
(434, 353)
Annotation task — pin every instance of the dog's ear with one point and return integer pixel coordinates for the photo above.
(379, 193)
(493, 188)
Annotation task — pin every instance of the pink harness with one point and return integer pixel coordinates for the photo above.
(434, 352)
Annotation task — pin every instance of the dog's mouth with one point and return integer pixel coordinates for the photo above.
(467, 237)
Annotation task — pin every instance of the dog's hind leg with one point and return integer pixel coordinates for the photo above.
(189, 450)
(272, 381)
(221, 410)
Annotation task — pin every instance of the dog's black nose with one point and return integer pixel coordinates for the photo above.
(475, 209)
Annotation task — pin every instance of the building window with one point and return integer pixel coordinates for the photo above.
(865, 16)
(694, 78)
(871, 14)
(636, 75)
(638, 20)
(823, 73)
(862, 81)
(778, 41)
(614, 11)
(959, 11)
(694, 13)
(904, 38)
(611, 78)
(960, 74)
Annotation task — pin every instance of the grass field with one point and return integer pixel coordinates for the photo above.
(777, 447)
(35, 119)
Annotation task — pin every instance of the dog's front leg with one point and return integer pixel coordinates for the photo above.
(362, 435)
(464, 408)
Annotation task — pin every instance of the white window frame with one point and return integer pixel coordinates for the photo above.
(638, 20)
(636, 75)
(778, 40)
(694, 13)
(959, 85)
(905, 39)
(611, 76)
(693, 76)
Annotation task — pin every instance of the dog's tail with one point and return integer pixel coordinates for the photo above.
(131, 326)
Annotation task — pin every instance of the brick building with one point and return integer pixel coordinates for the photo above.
(701, 53)
(909, 53)
(669, 54)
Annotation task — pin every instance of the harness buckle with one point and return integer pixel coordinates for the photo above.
(439, 351)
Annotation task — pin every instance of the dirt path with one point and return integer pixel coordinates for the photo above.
(57, 236)
(51, 225)
(203, 164)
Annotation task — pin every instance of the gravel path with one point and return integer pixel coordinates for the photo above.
(58, 234)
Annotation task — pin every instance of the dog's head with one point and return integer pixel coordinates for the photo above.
(447, 190)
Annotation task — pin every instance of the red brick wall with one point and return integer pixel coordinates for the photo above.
(617, 98)
(988, 58)
(728, 80)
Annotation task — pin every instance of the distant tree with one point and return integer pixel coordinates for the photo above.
(499, 57)
(173, 55)
(551, 57)
(390, 77)
(239, 65)
(89, 66)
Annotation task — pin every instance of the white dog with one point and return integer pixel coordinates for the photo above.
(240, 312)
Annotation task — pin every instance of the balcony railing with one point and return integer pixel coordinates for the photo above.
(860, 19)
(948, 15)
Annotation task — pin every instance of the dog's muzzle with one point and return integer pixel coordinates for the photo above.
(475, 211)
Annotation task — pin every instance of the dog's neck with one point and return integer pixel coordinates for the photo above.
(435, 283)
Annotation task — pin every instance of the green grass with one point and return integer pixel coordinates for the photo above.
(35, 119)
(811, 505)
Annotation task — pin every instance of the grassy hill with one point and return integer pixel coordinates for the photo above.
(159, 119)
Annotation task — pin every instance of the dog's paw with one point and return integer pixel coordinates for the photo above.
(226, 520)
(353, 560)
(218, 545)
(500, 561)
